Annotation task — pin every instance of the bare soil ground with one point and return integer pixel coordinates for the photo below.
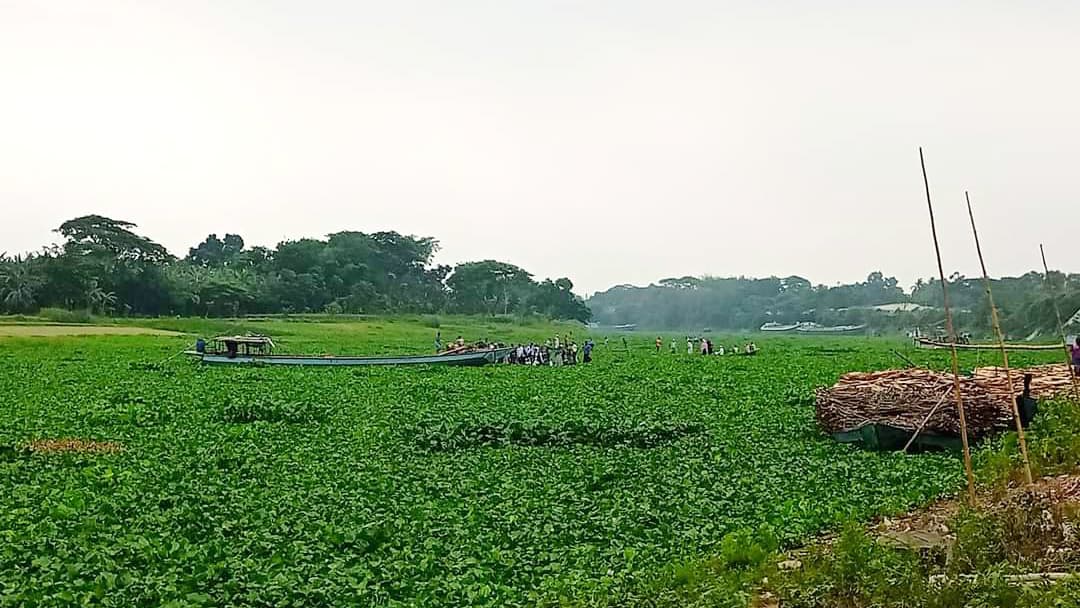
(46, 331)
(933, 520)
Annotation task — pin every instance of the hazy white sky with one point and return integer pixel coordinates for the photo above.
(608, 141)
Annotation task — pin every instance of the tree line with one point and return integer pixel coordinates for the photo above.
(1026, 303)
(104, 267)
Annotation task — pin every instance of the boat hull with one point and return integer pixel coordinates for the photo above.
(839, 329)
(884, 437)
(462, 359)
(935, 344)
(777, 327)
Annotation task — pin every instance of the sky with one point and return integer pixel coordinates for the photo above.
(612, 142)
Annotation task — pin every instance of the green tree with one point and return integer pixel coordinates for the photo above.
(556, 299)
(95, 235)
(103, 265)
(217, 252)
(19, 283)
(103, 255)
(489, 286)
(99, 300)
(225, 294)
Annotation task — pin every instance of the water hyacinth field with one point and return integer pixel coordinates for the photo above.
(498, 485)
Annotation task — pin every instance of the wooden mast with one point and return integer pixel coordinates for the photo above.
(952, 339)
(1061, 326)
(995, 321)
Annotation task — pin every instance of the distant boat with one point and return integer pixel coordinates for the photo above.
(814, 328)
(773, 326)
(462, 359)
(810, 328)
(626, 327)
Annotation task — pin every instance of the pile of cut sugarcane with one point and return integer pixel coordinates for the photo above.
(1047, 381)
(914, 398)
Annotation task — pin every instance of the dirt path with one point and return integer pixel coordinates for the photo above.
(45, 331)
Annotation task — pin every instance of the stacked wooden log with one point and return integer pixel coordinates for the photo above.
(1047, 381)
(904, 398)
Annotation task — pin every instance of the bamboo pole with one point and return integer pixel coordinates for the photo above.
(951, 331)
(995, 321)
(922, 424)
(1061, 326)
(905, 359)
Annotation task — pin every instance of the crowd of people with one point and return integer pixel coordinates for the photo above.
(706, 347)
(554, 351)
(564, 350)
(559, 350)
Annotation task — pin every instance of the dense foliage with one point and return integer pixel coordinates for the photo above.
(500, 486)
(105, 267)
(1025, 303)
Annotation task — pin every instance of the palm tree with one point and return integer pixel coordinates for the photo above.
(98, 299)
(195, 278)
(18, 283)
(187, 282)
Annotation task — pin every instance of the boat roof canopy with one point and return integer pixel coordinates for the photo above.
(252, 340)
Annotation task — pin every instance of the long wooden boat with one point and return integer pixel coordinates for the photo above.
(465, 359)
(778, 327)
(936, 344)
(814, 328)
(806, 327)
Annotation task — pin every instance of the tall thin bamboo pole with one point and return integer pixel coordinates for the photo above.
(1061, 326)
(952, 340)
(995, 321)
(922, 425)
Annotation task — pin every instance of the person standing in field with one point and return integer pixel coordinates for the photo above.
(704, 346)
(587, 352)
(1074, 350)
(720, 350)
(673, 347)
(607, 341)
(438, 342)
(689, 346)
(659, 343)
